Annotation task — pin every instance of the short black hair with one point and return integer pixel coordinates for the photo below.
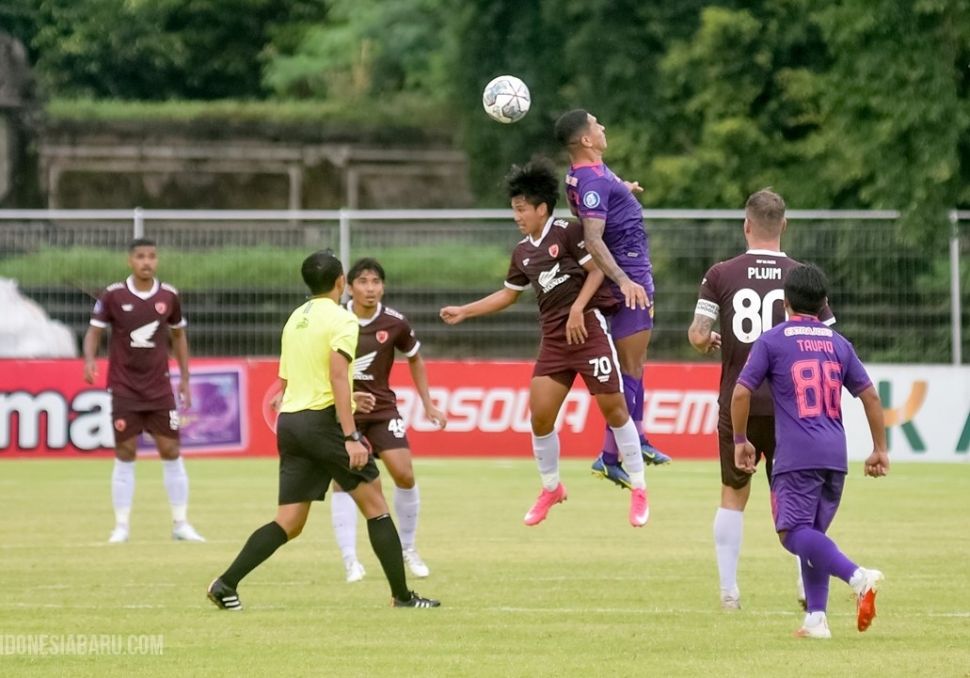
(570, 124)
(365, 264)
(320, 271)
(806, 289)
(140, 242)
(535, 181)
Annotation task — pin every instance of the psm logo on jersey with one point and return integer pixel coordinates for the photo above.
(381, 336)
(161, 307)
(554, 251)
(120, 425)
(591, 199)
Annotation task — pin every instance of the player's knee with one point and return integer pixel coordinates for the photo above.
(404, 478)
(542, 425)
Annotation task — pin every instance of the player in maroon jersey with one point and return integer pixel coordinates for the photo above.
(572, 301)
(744, 296)
(383, 331)
(141, 313)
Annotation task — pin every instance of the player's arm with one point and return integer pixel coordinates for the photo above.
(419, 375)
(744, 453)
(575, 324)
(877, 464)
(493, 303)
(277, 399)
(92, 339)
(340, 386)
(633, 293)
(180, 347)
(702, 335)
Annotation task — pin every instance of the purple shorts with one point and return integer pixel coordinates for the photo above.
(807, 498)
(628, 321)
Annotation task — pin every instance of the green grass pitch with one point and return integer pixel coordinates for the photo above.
(583, 594)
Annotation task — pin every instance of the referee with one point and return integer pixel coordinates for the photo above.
(316, 438)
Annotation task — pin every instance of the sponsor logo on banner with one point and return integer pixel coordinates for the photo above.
(83, 422)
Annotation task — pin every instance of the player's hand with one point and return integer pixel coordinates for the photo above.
(576, 327)
(365, 401)
(633, 186)
(185, 394)
(90, 371)
(436, 417)
(452, 314)
(358, 454)
(634, 295)
(276, 401)
(744, 456)
(713, 343)
(877, 464)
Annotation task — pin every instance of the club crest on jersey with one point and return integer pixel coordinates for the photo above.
(525, 262)
(161, 307)
(554, 251)
(381, 336)
(120, 425)
(126, 307)
(591, 199)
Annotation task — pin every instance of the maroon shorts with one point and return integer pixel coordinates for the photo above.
(761, 433)
(128, 420)
(384, 434)
(595, 360)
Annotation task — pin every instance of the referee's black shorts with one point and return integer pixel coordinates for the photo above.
(312, 453)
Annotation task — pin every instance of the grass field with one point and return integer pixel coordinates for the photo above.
(580, 595)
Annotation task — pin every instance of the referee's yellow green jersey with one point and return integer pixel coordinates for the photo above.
(314, 330)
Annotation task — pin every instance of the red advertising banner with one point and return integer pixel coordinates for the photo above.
(46, 410)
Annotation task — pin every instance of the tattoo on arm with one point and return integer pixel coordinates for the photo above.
(593, 235)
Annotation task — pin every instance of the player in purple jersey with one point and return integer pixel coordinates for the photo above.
(806, 364)
(572, 301)
(141, 313)
(617, 240)
(744, 296)
(383, 331)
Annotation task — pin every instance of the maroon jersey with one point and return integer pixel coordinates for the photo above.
(554, 266)
(745, 295)
(380, 335)
(139, 345)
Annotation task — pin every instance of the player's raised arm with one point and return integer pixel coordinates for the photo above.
(493, 303)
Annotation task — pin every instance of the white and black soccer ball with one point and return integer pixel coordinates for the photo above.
(506, 99)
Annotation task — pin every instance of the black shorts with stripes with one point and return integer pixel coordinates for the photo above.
(312, 453)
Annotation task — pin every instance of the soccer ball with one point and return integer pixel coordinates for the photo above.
(506, 99)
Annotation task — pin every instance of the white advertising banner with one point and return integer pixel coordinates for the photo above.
(927, 409)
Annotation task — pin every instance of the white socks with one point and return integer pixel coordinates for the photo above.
(122, 490)
(628, 443)
(343, 514)
(407, 503)
(728, 531)
(177, 485)
(546, 451)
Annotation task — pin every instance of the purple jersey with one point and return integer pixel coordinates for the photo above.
(379, 336)
(553, 264)
(745, 295)
(593, 191)
(139, 346)
(806, 364)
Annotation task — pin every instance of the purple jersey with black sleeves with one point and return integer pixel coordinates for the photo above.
(594, 192)
(806, 364)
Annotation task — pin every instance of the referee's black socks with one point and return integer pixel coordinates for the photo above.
(261, 545)
(387, 546)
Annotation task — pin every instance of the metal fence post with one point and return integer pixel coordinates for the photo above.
(139, 223)
(344, 234)
(955, 330)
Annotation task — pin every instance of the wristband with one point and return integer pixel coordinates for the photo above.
(740, 439)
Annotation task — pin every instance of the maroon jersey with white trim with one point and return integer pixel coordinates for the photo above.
(746, 296)
(380, 335)
(139, 347)
(553, 264)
